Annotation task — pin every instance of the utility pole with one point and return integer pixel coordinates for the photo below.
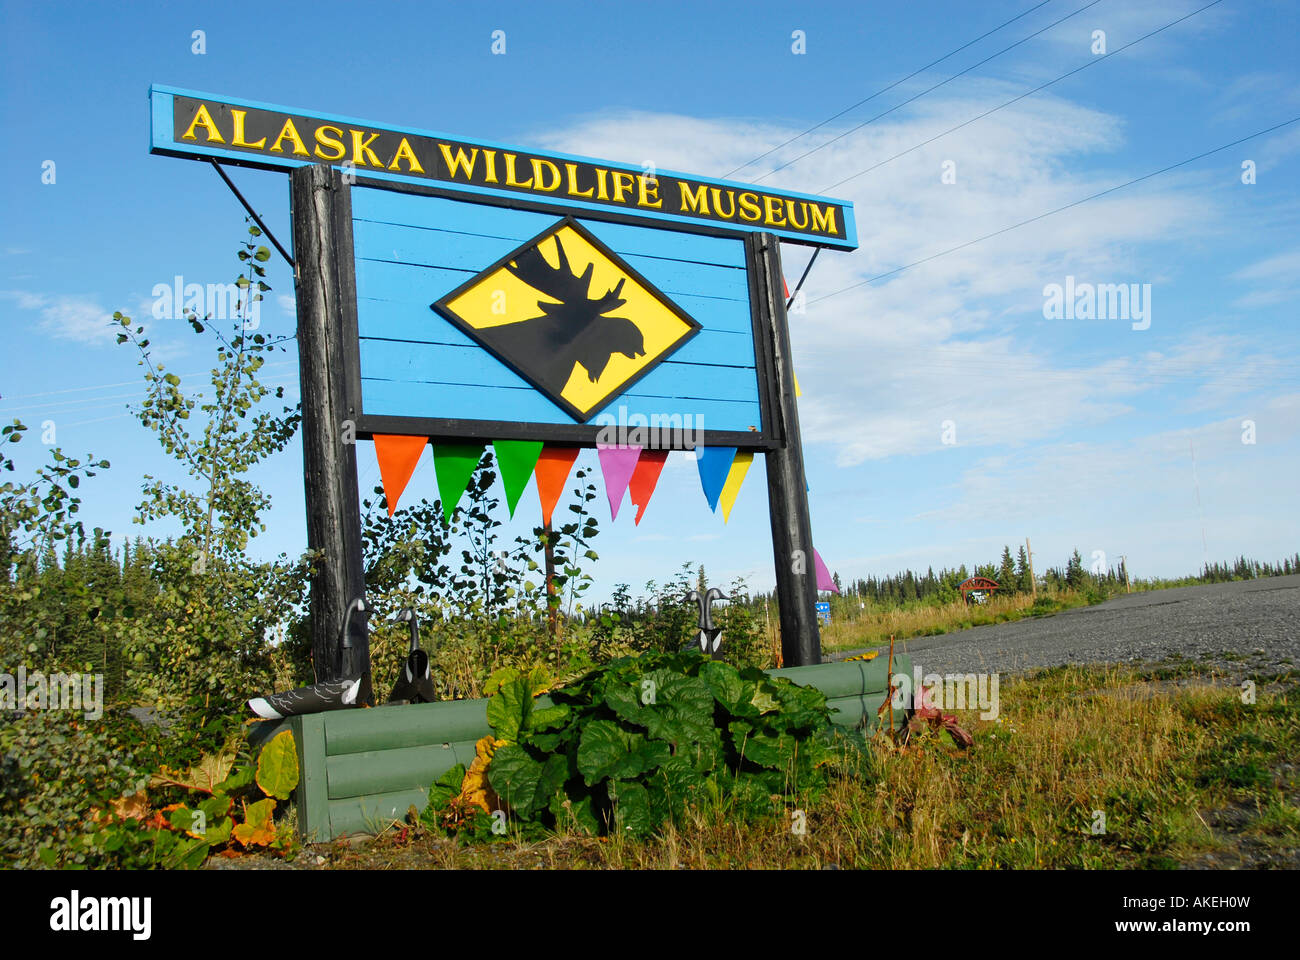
(1128, 587)
(787, 488)
(1029, 556)
(326, 295)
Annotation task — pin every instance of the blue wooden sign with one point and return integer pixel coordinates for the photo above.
(823, 612)
(419, 372)
(508, 294)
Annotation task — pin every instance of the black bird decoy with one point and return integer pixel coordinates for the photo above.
(707, 635)
(415, 684)
(326, 695)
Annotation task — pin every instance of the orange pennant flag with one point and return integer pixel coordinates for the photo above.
(397, 456)
(552, 471)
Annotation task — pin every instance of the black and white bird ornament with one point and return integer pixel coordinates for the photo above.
(415, 684)
(707, 636)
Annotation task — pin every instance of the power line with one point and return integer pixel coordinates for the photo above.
(918, 96)
(854, 106)
(1042, 216)
(1022, 96)
(124, 383)
(92, 404)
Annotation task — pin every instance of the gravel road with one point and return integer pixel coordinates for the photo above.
(1246, 628)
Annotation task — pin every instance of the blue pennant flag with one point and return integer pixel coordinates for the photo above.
(714, 464)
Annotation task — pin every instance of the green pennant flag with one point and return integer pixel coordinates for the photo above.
(516, 460)
(454, 464)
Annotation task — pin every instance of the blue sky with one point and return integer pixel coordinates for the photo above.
(1076, 433)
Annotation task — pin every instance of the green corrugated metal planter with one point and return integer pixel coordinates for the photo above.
(363, 769)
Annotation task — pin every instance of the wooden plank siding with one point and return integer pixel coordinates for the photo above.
(410, 251)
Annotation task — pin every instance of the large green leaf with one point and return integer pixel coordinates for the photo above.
(575, 812)
(218, 832)
(671, 707)
(186, 854)
(277, 766)
(548, 717)
(546, 742)
(729, 688)
(447, 786)
(632, 814)
(672, 785)
(524, 783)
(606, 751)
(509, 708)
(802, 708)
(767, 749)
(239, 778)
(216, 806)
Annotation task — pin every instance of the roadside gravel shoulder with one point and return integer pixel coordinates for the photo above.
(1249, 627)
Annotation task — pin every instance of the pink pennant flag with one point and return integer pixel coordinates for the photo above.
(824, 581)
(617, 465)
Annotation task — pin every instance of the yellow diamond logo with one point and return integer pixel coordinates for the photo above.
(571, 317)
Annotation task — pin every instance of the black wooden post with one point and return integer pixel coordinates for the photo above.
(326, 293)
(787, 489)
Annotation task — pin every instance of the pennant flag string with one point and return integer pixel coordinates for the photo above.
(617, 465)
(735, 477)
(645, 478)
(552, 471)
(516, 460)
(630, 470)
(714, 464)
(454, 464)
(397, 456)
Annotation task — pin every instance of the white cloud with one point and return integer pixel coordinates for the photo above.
(1273, 280)
(66, 316)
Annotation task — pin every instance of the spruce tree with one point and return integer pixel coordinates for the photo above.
(1007, 571)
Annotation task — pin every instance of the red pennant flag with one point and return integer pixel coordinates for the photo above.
(397, 458)
(644, 479)
(552, 471)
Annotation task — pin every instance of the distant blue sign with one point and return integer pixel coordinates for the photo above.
(823, 612)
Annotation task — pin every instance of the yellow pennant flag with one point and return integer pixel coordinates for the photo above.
(735, 477)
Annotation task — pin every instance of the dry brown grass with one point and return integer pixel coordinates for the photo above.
(874, 624)
(1154, 757)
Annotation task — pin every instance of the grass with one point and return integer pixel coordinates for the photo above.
(875, 624)
(1180, 770)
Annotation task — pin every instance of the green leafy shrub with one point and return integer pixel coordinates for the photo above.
(629, 746)
(56, 767)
